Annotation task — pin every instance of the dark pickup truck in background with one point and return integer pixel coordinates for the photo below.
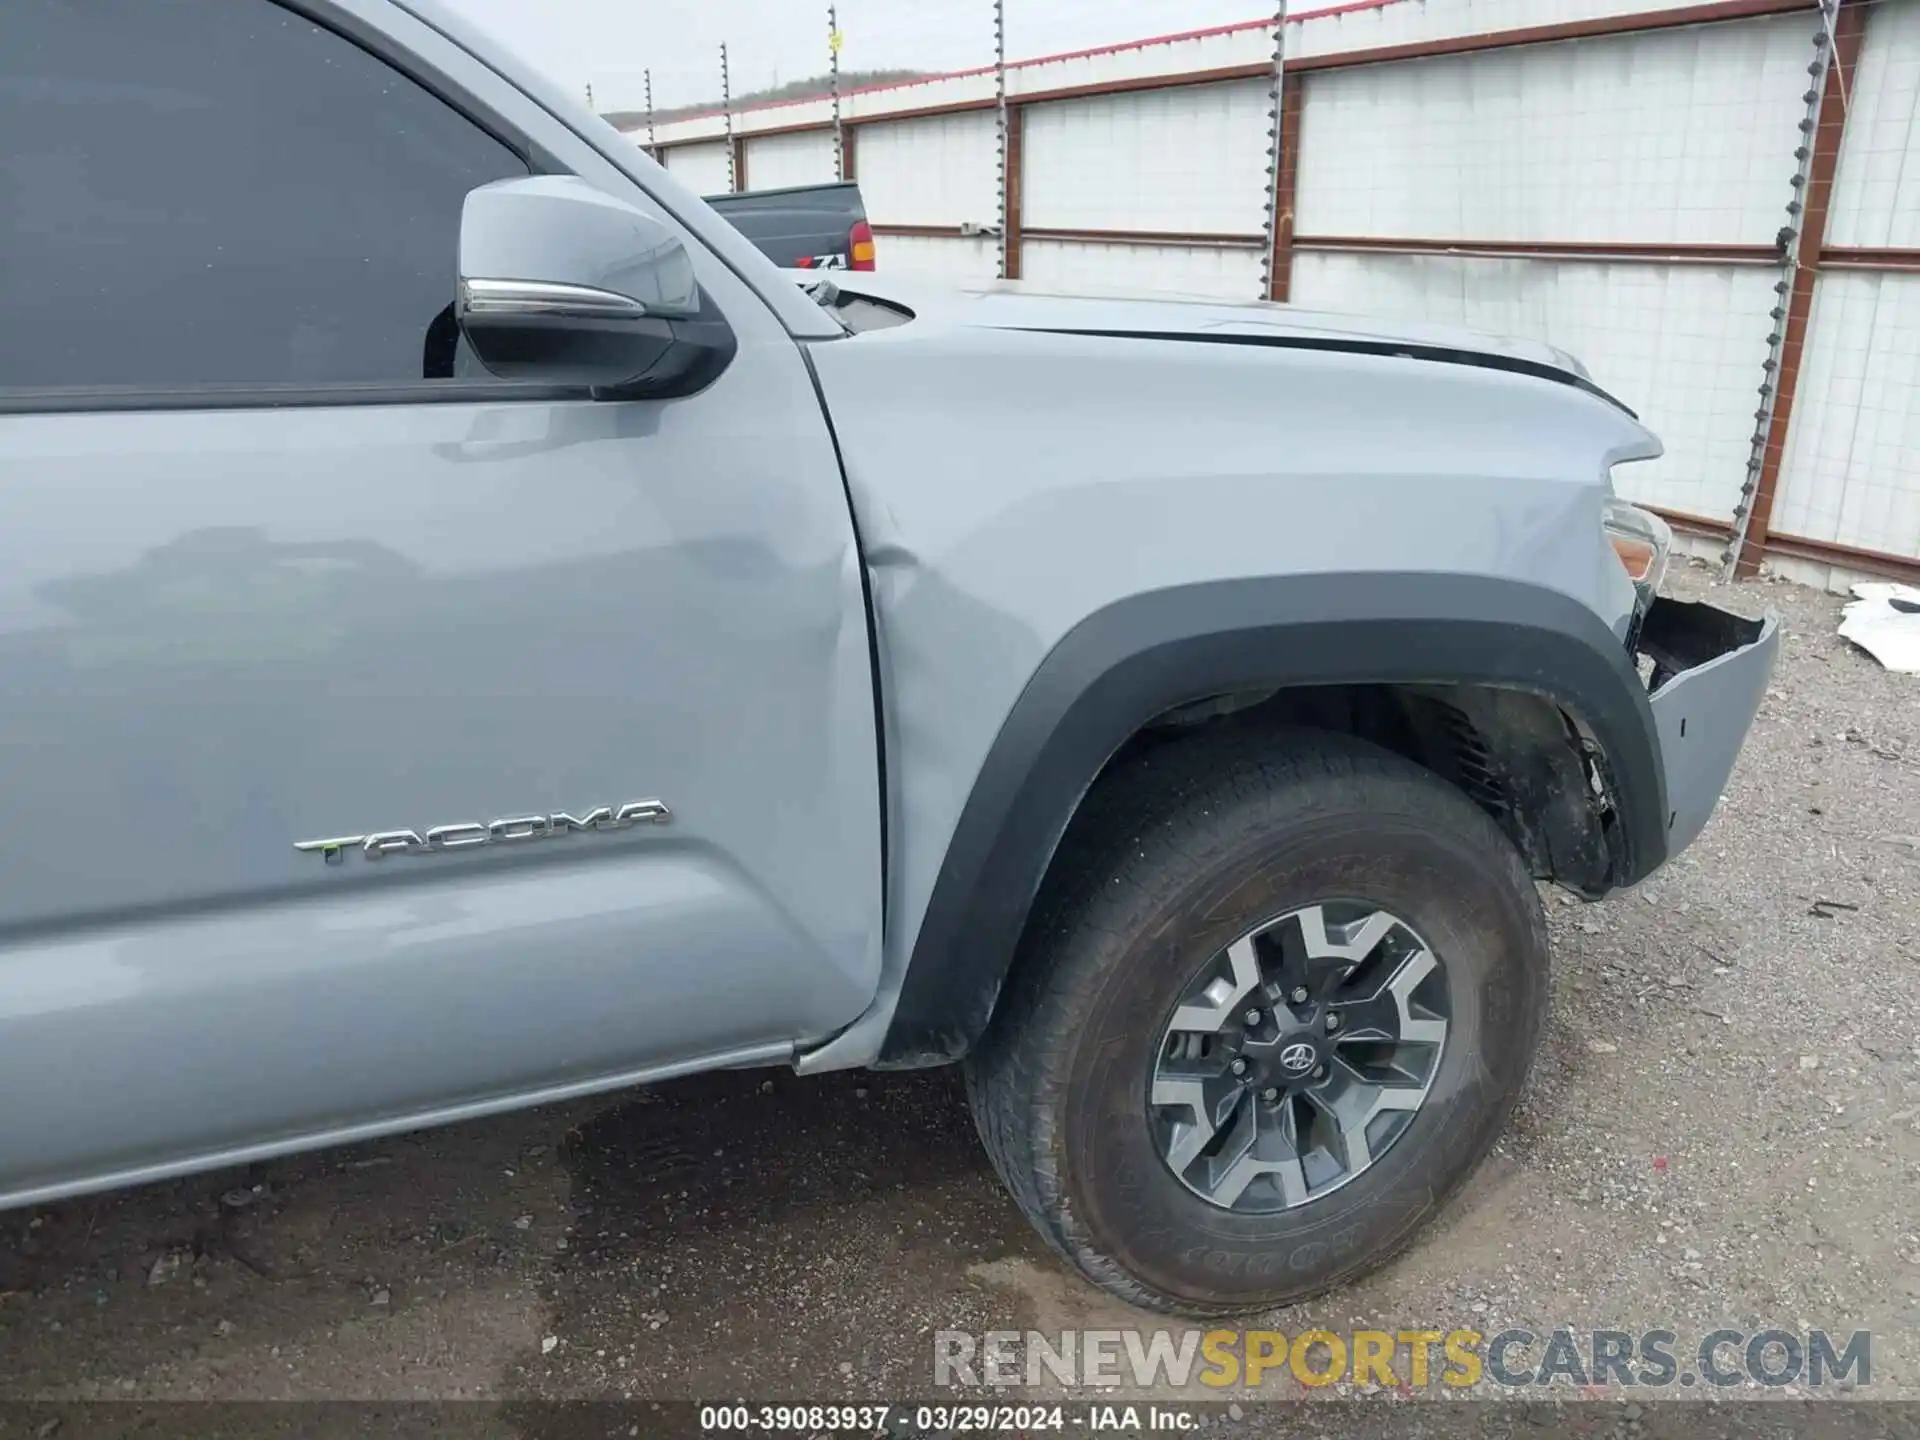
(804, 227)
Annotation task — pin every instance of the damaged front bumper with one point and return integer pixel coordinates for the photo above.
(1710, 671)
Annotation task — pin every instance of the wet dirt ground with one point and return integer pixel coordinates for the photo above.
(1723, 1128)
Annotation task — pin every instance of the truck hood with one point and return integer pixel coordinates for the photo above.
(1017, 305)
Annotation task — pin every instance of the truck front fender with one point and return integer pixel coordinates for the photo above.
(1147, 654)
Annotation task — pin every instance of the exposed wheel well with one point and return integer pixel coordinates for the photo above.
(1515, 754)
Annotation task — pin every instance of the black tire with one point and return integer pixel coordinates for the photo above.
(1175, 854)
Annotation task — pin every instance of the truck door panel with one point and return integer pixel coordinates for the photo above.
(266, 582)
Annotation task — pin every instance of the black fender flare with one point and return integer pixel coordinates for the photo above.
(1142, 656)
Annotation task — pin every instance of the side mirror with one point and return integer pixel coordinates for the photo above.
(564, 284)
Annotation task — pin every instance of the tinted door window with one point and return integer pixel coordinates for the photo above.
(222, 193)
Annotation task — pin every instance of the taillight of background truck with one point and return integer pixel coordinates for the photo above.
(860, 246)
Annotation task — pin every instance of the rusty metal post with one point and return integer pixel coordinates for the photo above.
(1012, 229)
(1280, 252)
(1279, 133)
(1836, 53)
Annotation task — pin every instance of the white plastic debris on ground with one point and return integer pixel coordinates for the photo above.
(1885, 622)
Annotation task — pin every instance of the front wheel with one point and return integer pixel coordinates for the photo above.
(1276, 1002)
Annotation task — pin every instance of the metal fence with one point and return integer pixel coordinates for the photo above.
(1711, 204)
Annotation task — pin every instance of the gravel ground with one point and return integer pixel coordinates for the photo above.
(1723, 1129)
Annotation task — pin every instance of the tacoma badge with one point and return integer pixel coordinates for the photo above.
(499, 832)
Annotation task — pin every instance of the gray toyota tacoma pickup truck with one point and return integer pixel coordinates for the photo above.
(474, 633)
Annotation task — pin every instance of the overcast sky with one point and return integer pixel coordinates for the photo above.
(607, 43)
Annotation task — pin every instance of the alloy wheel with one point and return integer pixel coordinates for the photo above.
(1298, 1055)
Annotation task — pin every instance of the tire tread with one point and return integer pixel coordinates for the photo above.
(1156, 819)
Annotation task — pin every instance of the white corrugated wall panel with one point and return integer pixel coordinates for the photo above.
(1683, 344)
(937, 171)
(956, 88)
(679, 132)
(1192, 159)
(1682, 135)
(782, 115)
(1851, 473)
(1211, 271)
(1352, 27)
(1852, 467)
(1207, 48)
(701, 168)
(1876, 193)
(774, 161)
(940, 256)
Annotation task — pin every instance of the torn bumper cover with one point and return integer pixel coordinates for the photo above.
(1710, 670)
